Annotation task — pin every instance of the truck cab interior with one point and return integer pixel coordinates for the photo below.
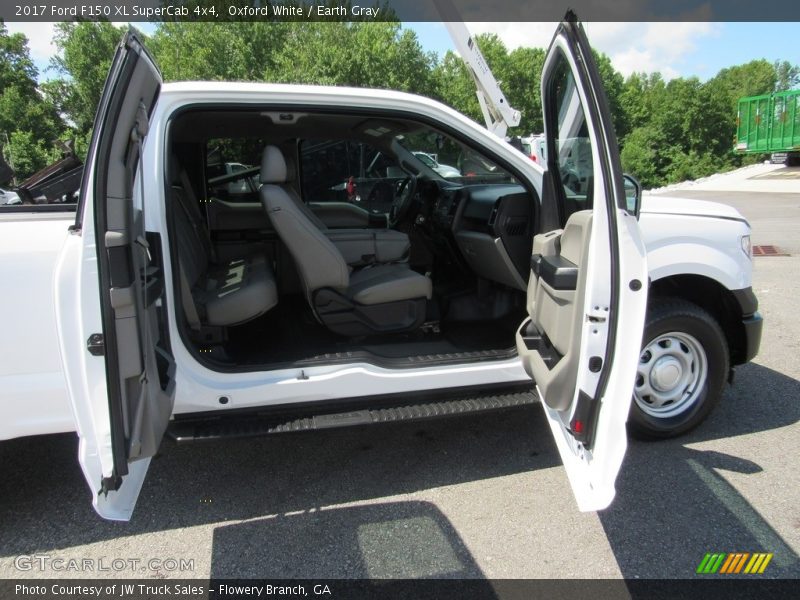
(312, 237)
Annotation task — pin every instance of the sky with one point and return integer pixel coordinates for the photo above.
(674, 49)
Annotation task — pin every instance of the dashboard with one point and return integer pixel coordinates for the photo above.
(492, 226)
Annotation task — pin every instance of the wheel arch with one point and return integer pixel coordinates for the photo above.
(713, 297)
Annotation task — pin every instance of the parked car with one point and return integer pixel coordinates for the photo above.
(9, 198)
(160, 309)
(432, 162)
(535, 147)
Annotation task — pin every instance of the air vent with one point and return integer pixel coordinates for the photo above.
(516, 226)
(493, 214)
(454, 200)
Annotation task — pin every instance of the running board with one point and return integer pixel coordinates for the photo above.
(186, 430)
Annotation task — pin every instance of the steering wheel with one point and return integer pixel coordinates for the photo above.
(381, 194)
(403, 195)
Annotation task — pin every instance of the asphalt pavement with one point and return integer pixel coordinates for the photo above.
(478, 496)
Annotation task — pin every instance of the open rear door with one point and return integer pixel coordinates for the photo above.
(109, 296)
(587, 291)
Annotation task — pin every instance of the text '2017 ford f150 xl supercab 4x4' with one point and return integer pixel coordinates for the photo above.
(171, 300)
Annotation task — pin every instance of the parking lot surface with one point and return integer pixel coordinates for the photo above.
(479, 496)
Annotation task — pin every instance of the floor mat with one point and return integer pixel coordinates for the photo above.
(289, 334)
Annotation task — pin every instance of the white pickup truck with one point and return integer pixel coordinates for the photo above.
(157, 308)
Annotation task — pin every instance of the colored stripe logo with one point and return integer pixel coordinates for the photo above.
(734, 563)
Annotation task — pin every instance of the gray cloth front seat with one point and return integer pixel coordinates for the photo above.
(358, 245)
(389, 297)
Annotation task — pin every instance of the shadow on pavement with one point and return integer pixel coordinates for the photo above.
(673, 502)
(784, 173)
(397, 540)
(45, 504)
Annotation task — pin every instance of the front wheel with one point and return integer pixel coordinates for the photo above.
(682, 369)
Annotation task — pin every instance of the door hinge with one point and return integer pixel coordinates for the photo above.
(96, 344)
(109, 484)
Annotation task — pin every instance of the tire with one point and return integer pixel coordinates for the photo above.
(682, 370)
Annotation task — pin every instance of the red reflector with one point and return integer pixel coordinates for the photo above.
(533, 157)
(577, 426)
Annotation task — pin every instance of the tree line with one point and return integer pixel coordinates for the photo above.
(668, 130)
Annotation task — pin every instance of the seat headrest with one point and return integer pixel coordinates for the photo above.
(273, 165)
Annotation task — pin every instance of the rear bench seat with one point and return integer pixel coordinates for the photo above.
(222, 293)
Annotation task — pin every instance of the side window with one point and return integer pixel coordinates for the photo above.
(232, 168)
(573, 153)
(348, 171)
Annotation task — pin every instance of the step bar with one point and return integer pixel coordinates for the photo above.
(187, 429)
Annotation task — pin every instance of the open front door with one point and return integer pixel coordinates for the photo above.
(587, 291)
(109, 296)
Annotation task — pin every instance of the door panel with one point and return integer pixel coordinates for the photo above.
(587, 292)
(110, 296)
(557, 312)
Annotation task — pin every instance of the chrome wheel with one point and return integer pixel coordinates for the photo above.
(672, 372)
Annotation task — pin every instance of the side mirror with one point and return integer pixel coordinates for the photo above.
(633, 194)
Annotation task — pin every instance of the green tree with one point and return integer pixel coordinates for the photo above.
(517, 72)
(787, 75)
(30, 153)
(230, 51)
(455, 87)
(16, 67)
(28, 121)
(614, 85)
(521, 85)
(362, 54)
(86, 50)
(681, 129)
(365, 54)
(643, 155)
(638, 97)
(750, 79)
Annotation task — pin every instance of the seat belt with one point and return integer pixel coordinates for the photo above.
(195, 216)
(187, 300)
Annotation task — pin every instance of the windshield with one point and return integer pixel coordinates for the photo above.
(426, 159)
(450, 159)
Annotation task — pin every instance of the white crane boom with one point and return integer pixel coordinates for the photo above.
(497, 112)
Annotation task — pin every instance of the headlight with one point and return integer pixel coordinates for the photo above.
(747, 247)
